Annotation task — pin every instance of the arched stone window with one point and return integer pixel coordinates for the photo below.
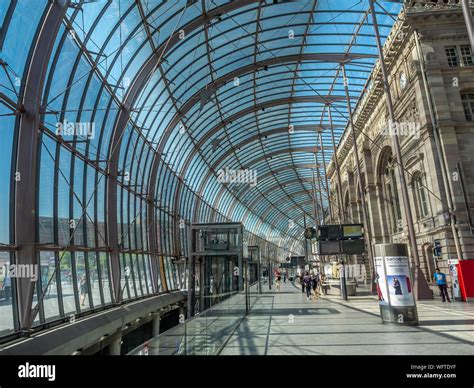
(421, 196)
(390, 191)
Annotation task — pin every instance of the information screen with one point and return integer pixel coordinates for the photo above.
(352, 231)
(353, 247)
(330, 232)
(329, 247)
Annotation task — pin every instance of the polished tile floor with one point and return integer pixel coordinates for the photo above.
(286, 323)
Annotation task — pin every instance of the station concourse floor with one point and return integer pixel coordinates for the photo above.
(286, 323)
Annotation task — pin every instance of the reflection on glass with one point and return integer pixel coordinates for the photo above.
(169, 273)
(146, 261)
(67, 283)
(48, 285)
(82, 286)
(130, 276)
(124, 278)
(104, 267)
(137, 273)
(94, 280)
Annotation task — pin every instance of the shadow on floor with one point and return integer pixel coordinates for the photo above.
(296, 310)
(447, 322)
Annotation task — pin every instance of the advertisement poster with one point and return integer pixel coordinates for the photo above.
(381, 281)
(399, 282)
(453, 269)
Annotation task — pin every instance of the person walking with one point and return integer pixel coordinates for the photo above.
(307, 284)
(83, 289)
(440, 279)
(314, 283)
(302, 281)
(322, 284)
(284, 276)
(278, 281)
(7, 287)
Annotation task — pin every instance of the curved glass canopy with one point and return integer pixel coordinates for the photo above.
(139, 105)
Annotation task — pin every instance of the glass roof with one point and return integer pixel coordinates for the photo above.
(215, 84)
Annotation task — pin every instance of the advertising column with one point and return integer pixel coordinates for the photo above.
(453, 270)
(395, 284)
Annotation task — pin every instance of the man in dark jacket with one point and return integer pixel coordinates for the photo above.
(307, 285)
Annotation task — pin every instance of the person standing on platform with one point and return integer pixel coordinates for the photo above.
(440, 279)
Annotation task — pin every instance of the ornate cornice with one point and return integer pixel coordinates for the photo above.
(427, 6)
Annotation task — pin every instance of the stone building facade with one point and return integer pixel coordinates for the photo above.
(448, 63)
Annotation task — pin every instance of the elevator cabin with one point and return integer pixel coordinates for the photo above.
(217, 252)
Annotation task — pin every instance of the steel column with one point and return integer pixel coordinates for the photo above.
(305, 241)
(318, 175)
(338, 171)
(331, 216)
(466, 10)
(358, 166)
(25, 214)
(313, 197)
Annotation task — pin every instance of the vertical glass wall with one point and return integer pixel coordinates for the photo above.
(87, 78)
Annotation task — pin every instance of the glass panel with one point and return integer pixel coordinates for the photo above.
(466, 56)
(63, 197)
(6, 297)
(48, 276)
(422, 198)
(37, 319)
(131, 276)
(147, 259)
(24, 22)
(94, 279)
(79, 216)
(138, 273)
(452, 56)
(83, 281)
(68, 283)
(106, 284)
(46, 190)
(6, 145)
(170, 273)
(125, 278)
